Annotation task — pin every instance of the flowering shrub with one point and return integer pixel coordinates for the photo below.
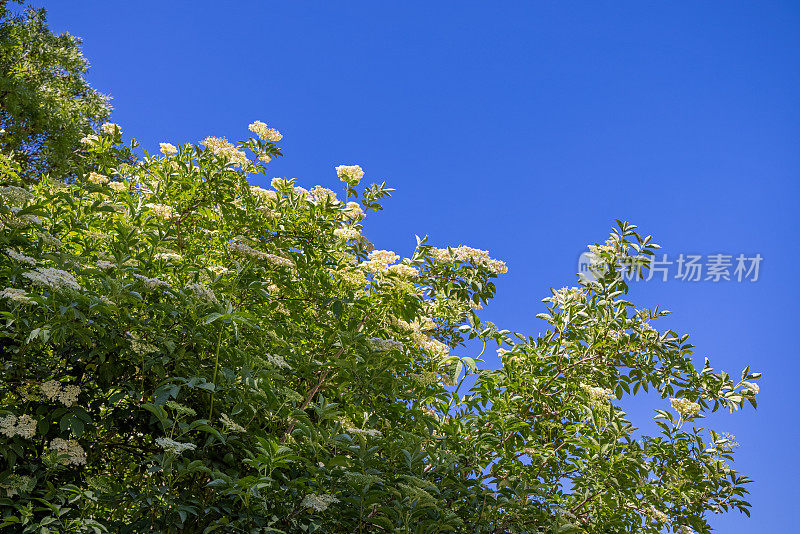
(186, 352)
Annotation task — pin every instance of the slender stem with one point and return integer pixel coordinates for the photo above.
(214, 380)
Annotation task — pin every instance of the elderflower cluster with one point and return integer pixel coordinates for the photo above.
(384, 345)
(53, 278)
(89, 139)
(162, 211)
(277, 361)
(264, 132)
(17, 295)
(202, 292)
(351, 277)
(323, 194)
(20, 258)
(66, 395)
(425, 379)
(171, 446)
(379, 261)
(16, 195)
(318, 503)
(109, 128)
(150, 283)
(118, 187)
(404, 271)
(597, 396)
(353, 212)
(168, 256)
(369, 432)
(180, 409)
(49, 240)
(657, 514)
(685, 407)
(105, 265)
(221, 147)
(23, 426)
(168, 149)
(70, 448)
(263, 195)
(463, 253)
(346, 234)
(351, 174)
(96, 178)
(219, 269)
(567, 296)
(230, 425)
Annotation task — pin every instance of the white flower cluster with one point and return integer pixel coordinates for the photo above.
(353, 211)
(567, 296)
(150, 283)
(180, 408)
(346, 234)
(404, 271)
(230, 425)
(16, 195)
(221, 147)
(351, 174)
(53, 278)
(118, 187)
(657, 514)
(379, 261)
(98, 179)
(384, 345)
(351, 277)
(162, 211)
(318, 503)
(202, 292)
(20, 221)
(425, 379)
(89, 139)
(23, 426)
(683, 529)
(105, 264)
(109, 128)
(20, 258)
(174, 447)
(263, 195)
(479, 258)
(245, 250)
(49, 239)
(685, 407)
(264, 132)
(17, 295)
(323, 194)
(597, 396)
(369, 432)
(70, 448)
(277, 360)
(67, 395)
(168, 256)
(168, 149)
(219, 269)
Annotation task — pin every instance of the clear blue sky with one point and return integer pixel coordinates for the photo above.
(524, 128)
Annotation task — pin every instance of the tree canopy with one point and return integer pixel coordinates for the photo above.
(184, 351)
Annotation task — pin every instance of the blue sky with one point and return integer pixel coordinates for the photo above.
(524, 128)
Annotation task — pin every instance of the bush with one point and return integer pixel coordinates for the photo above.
(185, 352)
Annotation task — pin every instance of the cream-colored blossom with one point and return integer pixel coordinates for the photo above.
(16, 195)
(346, 234)
(168, 256)
(17, 295)
(318, 503)
(97, 178)
(231, 425)
(118, 187)
(221, 147)
(202, 292)
(263, 195)
(168, 149)
(75, 455)
(353, 211)
(89, 139)
(151, 283)
(384, 345)
(597, 396)
(174, 447)
(19, 257)
(685, 407)
(379, 261)
(109, 128)
(277, 361)
(49, 239)
(264, 132)
(23, 426)
(404, 271)
(53, 278)
(371, 432)
(463, 253)
(351, 174)
(105, 265)
(162, 211)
